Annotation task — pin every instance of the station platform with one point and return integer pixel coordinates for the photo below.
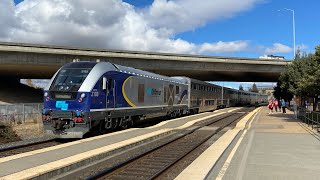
(270, 146)
(69, 156)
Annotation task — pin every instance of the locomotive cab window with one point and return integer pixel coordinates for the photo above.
(70, 79)
(177, 90)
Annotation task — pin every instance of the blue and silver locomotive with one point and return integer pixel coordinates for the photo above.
(97, 96)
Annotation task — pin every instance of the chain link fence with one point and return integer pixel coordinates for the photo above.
(20, 113)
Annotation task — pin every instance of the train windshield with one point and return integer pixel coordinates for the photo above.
(70, 79)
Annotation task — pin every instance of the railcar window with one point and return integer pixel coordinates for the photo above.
(69, 79)
(141, 93)
(177, 89)
(209, 102)
(165, 91)
(198, 102)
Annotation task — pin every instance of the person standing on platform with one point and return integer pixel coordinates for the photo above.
(279, 104)
(307, 106)
(283, 105)
(295, 109)
(275, 104)
(270, 106)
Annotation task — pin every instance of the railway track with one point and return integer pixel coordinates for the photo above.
(26, 147)
(153, 163)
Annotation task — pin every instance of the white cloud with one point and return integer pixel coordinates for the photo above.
(7, 19)
(278, 48)
(232, 46)
(302, 47)
(118, 25)
(183, 15)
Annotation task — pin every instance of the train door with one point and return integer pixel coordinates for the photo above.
(171, 95)
(109, 87)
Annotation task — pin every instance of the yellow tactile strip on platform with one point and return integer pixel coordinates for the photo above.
(199, 168)
(42, 169)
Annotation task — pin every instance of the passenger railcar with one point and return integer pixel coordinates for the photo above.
(204, 96)
(91, 96)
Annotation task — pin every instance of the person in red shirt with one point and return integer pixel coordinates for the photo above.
(275, 104)
(270, 106)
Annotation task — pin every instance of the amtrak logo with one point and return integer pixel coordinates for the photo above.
(153, 92)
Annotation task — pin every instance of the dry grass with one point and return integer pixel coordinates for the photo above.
(7, 134)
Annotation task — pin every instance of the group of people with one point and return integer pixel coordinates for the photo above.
(274, 104)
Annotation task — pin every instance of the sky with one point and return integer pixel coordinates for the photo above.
(246, 28)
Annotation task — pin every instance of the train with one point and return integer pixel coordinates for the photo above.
(86, 97)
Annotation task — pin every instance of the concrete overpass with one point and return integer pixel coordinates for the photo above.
(41, 61)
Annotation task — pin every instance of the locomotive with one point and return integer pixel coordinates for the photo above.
(85, 97)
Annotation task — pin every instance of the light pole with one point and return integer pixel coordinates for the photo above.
(294, 31)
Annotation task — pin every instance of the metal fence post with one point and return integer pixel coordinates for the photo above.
(23, 109)
(6, 113)
(311, 120)
(305, 117)
(318, 123)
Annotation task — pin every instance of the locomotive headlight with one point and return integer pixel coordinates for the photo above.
(83, 95)
(45, 94)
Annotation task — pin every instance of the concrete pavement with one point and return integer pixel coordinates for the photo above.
(275, 147)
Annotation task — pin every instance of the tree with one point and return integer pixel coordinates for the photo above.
(302, 77)
(240, 88)
(254, 88)
(281, 93)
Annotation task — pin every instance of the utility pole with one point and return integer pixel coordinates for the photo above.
(293, 31)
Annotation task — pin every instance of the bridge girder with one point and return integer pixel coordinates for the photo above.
(42, 61)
